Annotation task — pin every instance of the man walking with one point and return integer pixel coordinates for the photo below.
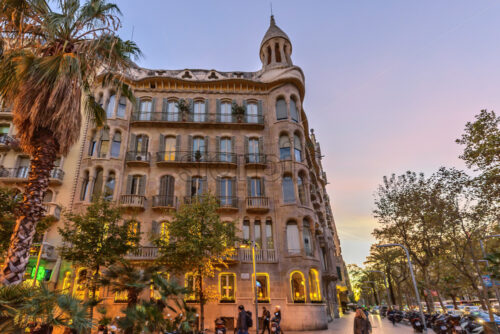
(266, 318)
(242, 324)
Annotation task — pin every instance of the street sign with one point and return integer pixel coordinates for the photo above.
(487, 281)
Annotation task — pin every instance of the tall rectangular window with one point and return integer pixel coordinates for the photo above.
(246, 230)
(257, 234)
(252, 113)
(227, 287)
(226, 112)
(122, 105)
(269, 235)
(172, 111)
(262, 287)
(225, 150)
(199, 111)
(292, 238)
(288, 191)
(253, 150)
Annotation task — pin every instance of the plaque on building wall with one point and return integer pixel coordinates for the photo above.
(245, 276)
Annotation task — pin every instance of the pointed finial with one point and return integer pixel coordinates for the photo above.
(271, 8)
(273, 23)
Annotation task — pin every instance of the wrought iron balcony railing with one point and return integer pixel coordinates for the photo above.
(196, 156)
(134, 156)
(160, 201)
(196, 118)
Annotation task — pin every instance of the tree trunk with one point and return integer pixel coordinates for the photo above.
(30, 210)
(391, 289)
(454, 300)
(202, 304)
(441, 301)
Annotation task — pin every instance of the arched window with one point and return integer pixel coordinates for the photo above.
(254, 150)
(288, 191)
(85, 186)
(136, 185)
(122, 106)
(314, 287)
(191, 284)
(292, 238)
(141, 143)
(111, 106)
(257, 234)
(306, 234)
(269, 234)
(294, 114)
(226, 190)
(199, 111)
(269, 55)
(246, 230)
(277, 52)
(103, 143)
(145, 109)
(225, 147)
(109, 187)
(93, 144)
(252, 113)
(97, 187)
(298, 285)
(168, 148)
(297, 148)
(164, 233)
(227, 287)
(226, 112)
(196, 186)
(172, 111)
(134, 230)
(281, 112)
(80, 288)
(284, 143)
(263, 287)
(198, 149)
(301, 189)
(47, 198)
(115, 145)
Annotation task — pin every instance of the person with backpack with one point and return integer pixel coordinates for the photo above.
(266, 320)
(244, 320)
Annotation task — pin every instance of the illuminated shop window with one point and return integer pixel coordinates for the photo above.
(314, 289)
(227, 287)
(298, 285)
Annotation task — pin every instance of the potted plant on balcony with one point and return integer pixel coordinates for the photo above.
(238, 111)
(197, 156)
(183, 107)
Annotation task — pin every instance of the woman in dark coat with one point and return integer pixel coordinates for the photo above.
(361, 323)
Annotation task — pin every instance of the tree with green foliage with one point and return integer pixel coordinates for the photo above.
(199, 243)
(51, 55)
(96, 239)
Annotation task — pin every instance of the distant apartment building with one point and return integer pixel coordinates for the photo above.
(263, 165)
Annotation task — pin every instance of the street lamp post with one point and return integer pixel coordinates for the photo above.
(413, 279)
(487, 263)
(256, 289)
(39, 257)
(385, 283)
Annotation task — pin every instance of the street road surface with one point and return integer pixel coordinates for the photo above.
(344, 325)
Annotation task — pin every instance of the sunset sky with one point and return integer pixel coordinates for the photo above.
(389, 84)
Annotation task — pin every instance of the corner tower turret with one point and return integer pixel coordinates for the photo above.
(276, 48)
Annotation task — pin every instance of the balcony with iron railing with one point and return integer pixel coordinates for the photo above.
(196, 157)
(164, 202)
(133, 201)
(52, 210)
(5, 141)
(256, 160)
(257, 204)
(197, 120)
(134, 158)
(243, 255)
(5, 113)
(143, 253)
(20, 174)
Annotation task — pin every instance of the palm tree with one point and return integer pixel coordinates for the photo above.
(21, 305)
(50, 58)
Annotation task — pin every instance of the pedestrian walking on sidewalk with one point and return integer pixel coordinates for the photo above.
(242, 324)
(361, 323)
(266, 319)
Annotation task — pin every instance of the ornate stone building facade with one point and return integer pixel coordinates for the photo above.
(263, 164)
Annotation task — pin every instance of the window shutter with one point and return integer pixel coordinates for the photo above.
(188, 186)
(217, 186)
(132, 142)
(246, 145)
(233, 144)
(153, 106)
(163, 186)
(90, 145)
(137, 106)
(129, 185)
(261, 145)
(259, 111)
(245, 106)
(190, 144)
(249, 186)
(177, 146)
(142, 185)
(206, 145)
(155, 229)
(204, 186)
(164, 110)
(145, 147)
(281, 112)
(170, 186)
(233, 188)
(162, 144)
(217, 110)
(206, 109)
(263, 186)
(217, 147)
(191, 106)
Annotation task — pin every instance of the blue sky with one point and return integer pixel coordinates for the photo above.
(389, 84)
